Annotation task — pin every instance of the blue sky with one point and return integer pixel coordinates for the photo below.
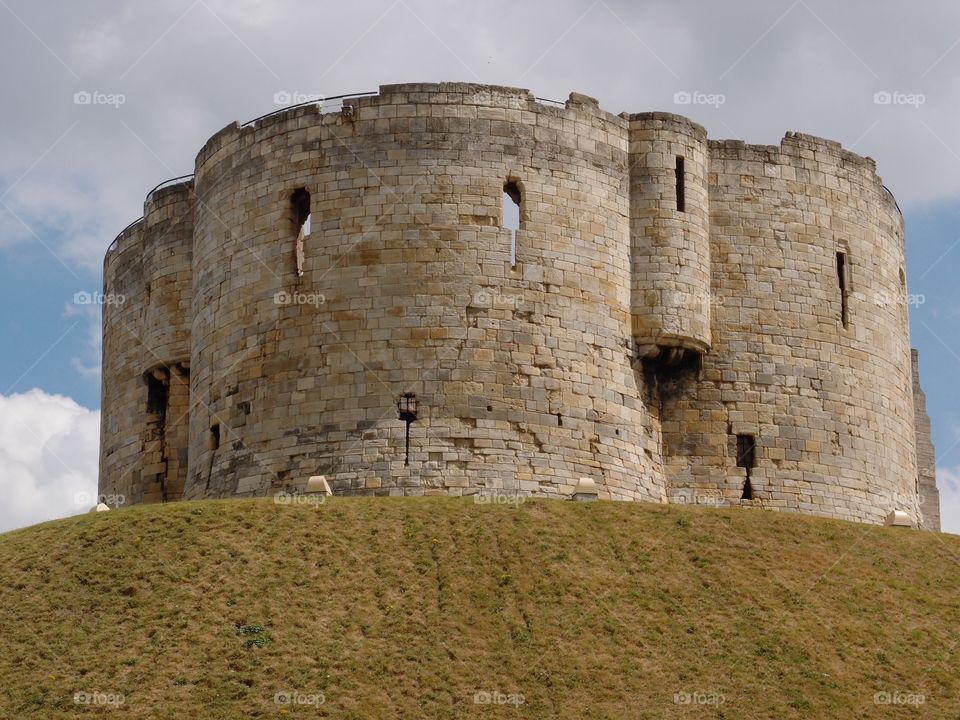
(167, 75)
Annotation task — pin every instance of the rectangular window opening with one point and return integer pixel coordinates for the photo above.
(747, 459)
(842, 282)
(300, 202)
(158, 391)
(681, 186)
(511, 213)
(746, 451)
(214, 440)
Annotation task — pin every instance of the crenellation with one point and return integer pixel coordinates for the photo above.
(669, 293)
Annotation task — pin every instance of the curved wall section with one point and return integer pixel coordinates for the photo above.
(669, 234)
(814, 371)
(121, 415)
(167, 261)
(522, 372)
(165, 363)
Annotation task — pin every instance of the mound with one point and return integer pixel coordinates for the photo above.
(444, 608)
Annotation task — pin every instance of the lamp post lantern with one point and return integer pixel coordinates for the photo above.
(407, 410)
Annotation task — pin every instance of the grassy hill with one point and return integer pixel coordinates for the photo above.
(420, 608)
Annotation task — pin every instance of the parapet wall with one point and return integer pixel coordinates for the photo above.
(668, 294)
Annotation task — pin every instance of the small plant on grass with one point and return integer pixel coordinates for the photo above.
(256, 637)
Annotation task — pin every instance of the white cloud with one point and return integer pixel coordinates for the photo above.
(188, 69)
(948, 482)
(48, 456)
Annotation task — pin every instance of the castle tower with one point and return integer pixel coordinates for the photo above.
(165, 364)
(146, 349)
(123, 393)
(675, 318)
(518, 354)
(669, 236)
(805, 401)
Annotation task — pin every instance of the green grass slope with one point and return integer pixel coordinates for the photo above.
(442, 608)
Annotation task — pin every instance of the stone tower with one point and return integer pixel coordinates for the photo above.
(679, 319)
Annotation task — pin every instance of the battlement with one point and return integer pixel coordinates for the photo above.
(562, 291)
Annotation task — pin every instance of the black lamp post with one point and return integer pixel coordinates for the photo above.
(407, 410)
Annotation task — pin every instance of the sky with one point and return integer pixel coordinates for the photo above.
(104, 99)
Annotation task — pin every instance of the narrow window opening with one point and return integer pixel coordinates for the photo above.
(511, 215)
(747, 459)
(214, 440)
(681, 186)
(158, 404)
(843, 284)
(559, 420)
(158, 391)
(300, 200)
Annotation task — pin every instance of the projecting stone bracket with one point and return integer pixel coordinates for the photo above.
(898, 518)
(318, 484)
(585, 490)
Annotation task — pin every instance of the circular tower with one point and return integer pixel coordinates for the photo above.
(122, 393)
(167, 320)
(805, 401)
(669, 236)
(515, 350)
(147, 320)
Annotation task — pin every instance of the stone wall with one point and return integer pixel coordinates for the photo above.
(632, 340)
(669, 234)
(146, 351)
(926, 458)
(123, 418)
(827, 402)
(522, 373)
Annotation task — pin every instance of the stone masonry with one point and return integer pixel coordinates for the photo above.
(684, 320)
